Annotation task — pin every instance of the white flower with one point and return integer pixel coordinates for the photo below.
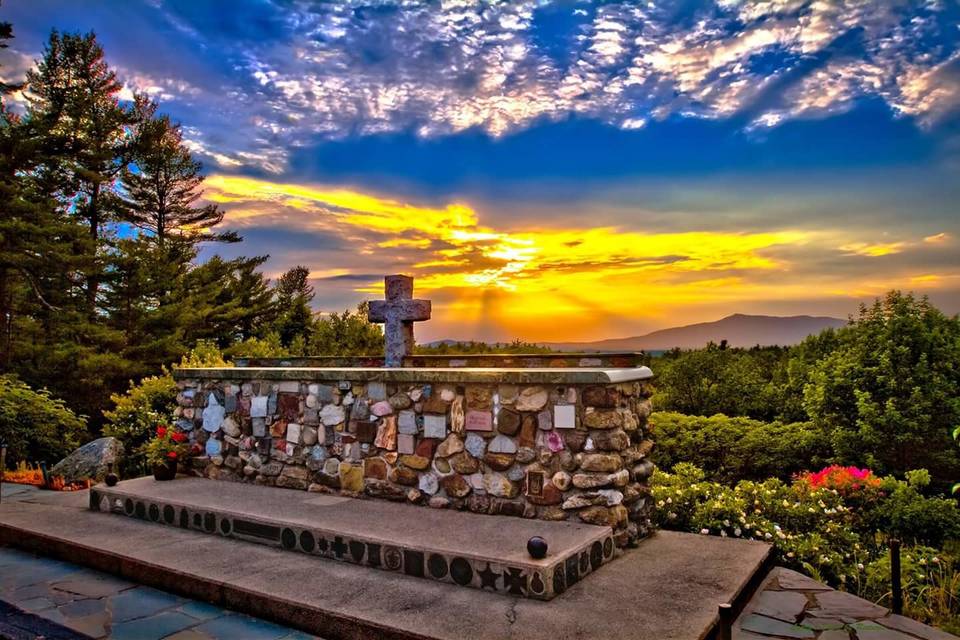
(737, 532)
(660, 503)
(767, 535)
(705, 531)
(726, 523)
(935, 559)
(923, 561)
(860, 566)
(669, 500)
(723, 534)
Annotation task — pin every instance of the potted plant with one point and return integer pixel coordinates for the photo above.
(164, 452)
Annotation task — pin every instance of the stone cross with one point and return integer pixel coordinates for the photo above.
(398, 313)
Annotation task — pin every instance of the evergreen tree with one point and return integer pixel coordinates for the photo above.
(163, 184)
(294, 293)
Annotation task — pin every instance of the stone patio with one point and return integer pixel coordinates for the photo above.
(791, 605)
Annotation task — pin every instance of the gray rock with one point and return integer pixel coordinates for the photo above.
(92, 460)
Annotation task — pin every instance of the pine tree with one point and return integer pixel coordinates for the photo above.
(162, 185)
(294, 293)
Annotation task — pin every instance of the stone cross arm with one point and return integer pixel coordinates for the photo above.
(401, 310)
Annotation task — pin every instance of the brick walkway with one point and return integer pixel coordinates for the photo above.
(791, 605)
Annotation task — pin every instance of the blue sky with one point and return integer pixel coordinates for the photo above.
(570, 170)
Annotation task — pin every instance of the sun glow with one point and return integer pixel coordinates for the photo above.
(548, 282)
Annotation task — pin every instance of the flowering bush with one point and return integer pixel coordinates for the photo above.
(169, 445)
(844, 480)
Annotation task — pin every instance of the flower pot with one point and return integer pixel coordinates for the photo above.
(165, 471)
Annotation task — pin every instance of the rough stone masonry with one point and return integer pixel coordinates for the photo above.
(557, 443)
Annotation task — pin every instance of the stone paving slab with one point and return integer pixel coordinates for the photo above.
(455, 547)
(791, 605)
(78, 607)
(668, 588)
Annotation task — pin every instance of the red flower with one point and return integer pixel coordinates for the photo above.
(161, 431)
(172, 455)
(178, 437)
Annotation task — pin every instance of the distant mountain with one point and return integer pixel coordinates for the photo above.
(738, 330)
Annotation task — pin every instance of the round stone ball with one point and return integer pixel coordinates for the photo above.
(112, 479)
(537, 547)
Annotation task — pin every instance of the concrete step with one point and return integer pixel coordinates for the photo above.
(453, 547)
(667, 589)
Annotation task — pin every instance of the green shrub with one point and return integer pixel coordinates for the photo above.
(35, 426)
(906, 513)
(137, 413)
(731, 449)
(150, 402)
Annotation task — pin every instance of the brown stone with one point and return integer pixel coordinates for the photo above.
(604, 516)
(603, 397)
(426, 447)
(574, 439)
(499, 461)
(418, 462)
(643, 471)
(507, 508)
(404, 476)
(567, 461)
(453, 444)
(637, 453)
(385, 490)
(441, 465)
(606, 462)
(294, 478)
(531, 399)
(375, 468)
(615, 440)
(643, 409)
(435, 405)
(603, 419)
(391, 457)
(464, 463)
(597, 480)
(552, 513)
(387, 434)
(458, 416)
(278, 429)
(528, 431)
(351, 477)
(456, 486)
(508, 422)
(478, 504)
(549, 496)
(366, 431)
(526, 455)
(400, 401)
(479, 398)
(288, 406)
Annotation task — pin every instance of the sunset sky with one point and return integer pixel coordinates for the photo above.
(562, 170)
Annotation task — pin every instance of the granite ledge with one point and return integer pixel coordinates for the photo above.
(415, 375)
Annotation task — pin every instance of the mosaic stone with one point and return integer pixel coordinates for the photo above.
(332, 415)
(258, 407)
(382, 408)
(565, 416)
(429, 483)
(377, 391)
(475, 445)
(405, 444)
(293, 432)
(434, 426)
(502, 444)
(213, 447)
(531, 399)
(407, 422)
(479, 421)
(386, 437)
(213, 415)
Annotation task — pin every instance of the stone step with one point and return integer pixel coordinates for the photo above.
(458, 548)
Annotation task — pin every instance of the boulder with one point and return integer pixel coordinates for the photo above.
(92, 460)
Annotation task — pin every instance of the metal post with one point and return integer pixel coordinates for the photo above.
(3, 466)
(896, 586)
(726, 621)
(43, 472)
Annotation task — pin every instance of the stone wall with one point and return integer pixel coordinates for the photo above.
(536, 446)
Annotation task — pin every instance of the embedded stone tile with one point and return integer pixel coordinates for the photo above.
(914, 628)
(238, 626)
(140, 602)
(434, 426)
(872, 630)
(838, 604)
(783, 605)
(790, 579)
(407, 422)
(773, 627)
(151, 628)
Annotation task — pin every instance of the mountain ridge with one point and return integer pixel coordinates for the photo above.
(738, 329)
